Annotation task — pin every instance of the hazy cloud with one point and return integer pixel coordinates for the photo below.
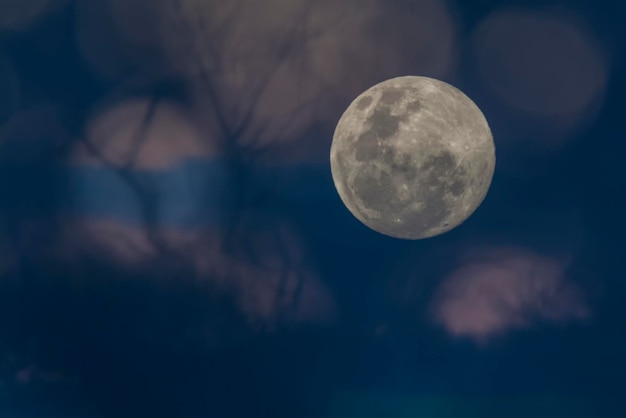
(268, 272)
(503, 290)
(281, 65)
(142, 133)
(147, 183)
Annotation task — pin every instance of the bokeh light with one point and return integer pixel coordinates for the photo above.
(145, 149)
(545, 75)
(543, 64)
(279, 285)
(504, 289)
(279, 68)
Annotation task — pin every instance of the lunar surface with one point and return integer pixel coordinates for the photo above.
(412, 157)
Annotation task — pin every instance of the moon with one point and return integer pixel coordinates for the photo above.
(412, 157)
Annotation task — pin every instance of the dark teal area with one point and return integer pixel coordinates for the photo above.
(417, 406)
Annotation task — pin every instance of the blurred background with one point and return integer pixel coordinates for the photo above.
(172, 245)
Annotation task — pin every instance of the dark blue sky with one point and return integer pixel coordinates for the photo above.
(296, 309)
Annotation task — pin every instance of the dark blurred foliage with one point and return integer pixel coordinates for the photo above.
(171, 243)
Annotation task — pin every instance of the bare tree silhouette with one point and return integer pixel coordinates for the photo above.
(258, 90)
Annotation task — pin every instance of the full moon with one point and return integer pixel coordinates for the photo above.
(412, 157)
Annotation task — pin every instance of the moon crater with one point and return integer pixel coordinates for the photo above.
(412, 157)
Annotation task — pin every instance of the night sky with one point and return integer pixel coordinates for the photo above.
(172, 244)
